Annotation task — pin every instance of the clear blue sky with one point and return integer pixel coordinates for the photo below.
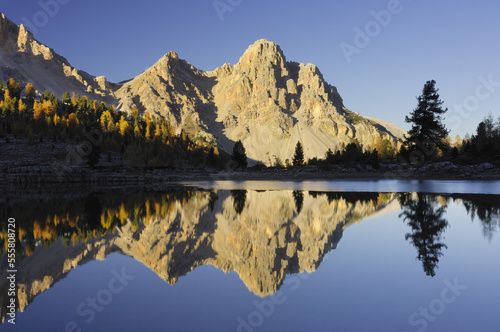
(453, 42)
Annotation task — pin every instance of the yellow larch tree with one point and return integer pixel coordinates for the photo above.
(30, 91)
(38, 113)
(22, 108)
(106, 118)
(48, 108)
(378, 145)
(124, 126)
(57, 119)
(137, 132)
(157, 131)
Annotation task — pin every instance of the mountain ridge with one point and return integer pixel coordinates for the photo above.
(277, 238)
(26, 60)
(264, 100)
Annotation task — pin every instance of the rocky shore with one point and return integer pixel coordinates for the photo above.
(125, 176)
(50, 165)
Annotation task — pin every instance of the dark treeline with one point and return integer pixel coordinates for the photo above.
(351, 198)
(482, 146)
(352, 154)
(78, 220)
(149, 141)
(140, 140)
(485, 143)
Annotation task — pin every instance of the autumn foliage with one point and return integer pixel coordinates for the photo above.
(140, 140)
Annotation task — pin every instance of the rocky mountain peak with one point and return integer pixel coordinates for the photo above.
(25, 59)
(17, 39)
(263, 50)
(8, 31)
(263, 54)
(4, 22)
(172, 55)
(225, 70)
(264, 100)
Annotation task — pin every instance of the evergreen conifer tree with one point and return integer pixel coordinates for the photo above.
(298, 157)
(240, 155)
(427, 130)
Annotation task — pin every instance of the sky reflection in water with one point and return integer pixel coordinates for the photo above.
(247, 260)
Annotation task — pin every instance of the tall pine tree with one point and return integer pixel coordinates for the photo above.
(427, 224)
(240, 155)
(298, 157)
(427, 130)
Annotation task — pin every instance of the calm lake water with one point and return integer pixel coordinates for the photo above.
(259, 256)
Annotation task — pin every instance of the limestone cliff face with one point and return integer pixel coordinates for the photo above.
(23, 58)
(174, 245)
(267, 241)
(272, 236)
(264, 100)
(173, 89)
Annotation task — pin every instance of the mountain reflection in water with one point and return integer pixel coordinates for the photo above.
(261, 235)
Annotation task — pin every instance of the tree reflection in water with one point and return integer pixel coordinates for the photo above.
(486, 208)
(278, 233)
(425, 218)
(239, 200)
(298, 197)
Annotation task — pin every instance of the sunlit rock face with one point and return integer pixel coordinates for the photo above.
(271, 238)
(265, 101)
(26, 60)
(262, 236)
(174, 244)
